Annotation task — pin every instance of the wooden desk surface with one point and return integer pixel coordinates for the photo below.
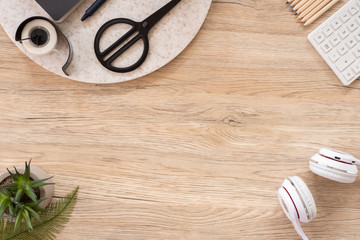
(197, 149)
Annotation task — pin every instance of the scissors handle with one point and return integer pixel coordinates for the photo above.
(106, 57)
(103, 56)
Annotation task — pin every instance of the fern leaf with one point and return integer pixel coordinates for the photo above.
(53, 220)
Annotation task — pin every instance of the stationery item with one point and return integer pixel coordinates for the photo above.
(300, 4)
(319, 13)
(310, 8)
(40, 35)
(58, 10)
(294, 3)
(297, 202)
(338, 42)
(139, 29)
(92, 9)
(305, 6)
(315, 11)
(334, 165)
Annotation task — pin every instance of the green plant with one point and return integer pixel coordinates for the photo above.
(53, 220)
(18, 200)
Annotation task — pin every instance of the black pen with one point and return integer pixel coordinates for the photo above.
(90, 11)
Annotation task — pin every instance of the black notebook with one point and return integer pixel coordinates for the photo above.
(59, 9)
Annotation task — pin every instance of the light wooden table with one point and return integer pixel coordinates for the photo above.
(197, 149)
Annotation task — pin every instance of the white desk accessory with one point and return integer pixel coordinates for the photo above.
(297, 202)
(334, 165)
(295, 197)
(337, 41)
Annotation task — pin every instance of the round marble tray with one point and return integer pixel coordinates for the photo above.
(167, 39)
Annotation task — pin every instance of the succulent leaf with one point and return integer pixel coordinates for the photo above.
(11, 209)
(27, 218)
(33, 213)
(30, 193)
(40, 182)
(11, 187)
(19, 194)
(19, 218)
(18, 175)
(27, 170)
(13, 176)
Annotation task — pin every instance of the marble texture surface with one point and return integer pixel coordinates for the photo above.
(167, 39)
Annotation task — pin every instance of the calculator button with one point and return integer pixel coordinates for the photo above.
(350, 41)
(348, 74)
(328, 31)
(352, 25)
(356, 50)
(356, 67)
(319, 37)
(342, 49)
(334, 55)
(354, 9)
(326, 46)
(345, 16)
(357, 34)
(358, 17)
(336, 23)
(344, 32)
(345, 61)
(335, 39)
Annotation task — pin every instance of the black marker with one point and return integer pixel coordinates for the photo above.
(92, 9)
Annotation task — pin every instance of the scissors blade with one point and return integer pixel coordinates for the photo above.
(159, 14)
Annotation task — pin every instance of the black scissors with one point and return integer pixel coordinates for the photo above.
(142, 28)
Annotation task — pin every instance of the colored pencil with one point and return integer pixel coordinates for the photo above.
(316, 10)
(321, 12)
(303, 8)
(294, 3)
(300, 4)
(310, 8)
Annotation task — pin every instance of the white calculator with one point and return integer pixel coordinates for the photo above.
(338, 42)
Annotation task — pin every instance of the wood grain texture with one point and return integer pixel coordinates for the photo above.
(197, 149)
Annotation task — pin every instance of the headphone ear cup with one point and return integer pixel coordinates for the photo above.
(306, 196)
(332, 174)
(297, 202)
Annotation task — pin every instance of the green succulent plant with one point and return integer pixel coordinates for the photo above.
(18, 200)
(31, 221)
(53, 220)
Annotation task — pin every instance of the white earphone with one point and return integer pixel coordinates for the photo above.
(297, 202)
(334, 165)
(295, 197)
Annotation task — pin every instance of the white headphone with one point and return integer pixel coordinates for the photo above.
(334, 165)
(295, 197)
(297, 202)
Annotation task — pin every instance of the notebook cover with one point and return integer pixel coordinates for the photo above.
(58, 9)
